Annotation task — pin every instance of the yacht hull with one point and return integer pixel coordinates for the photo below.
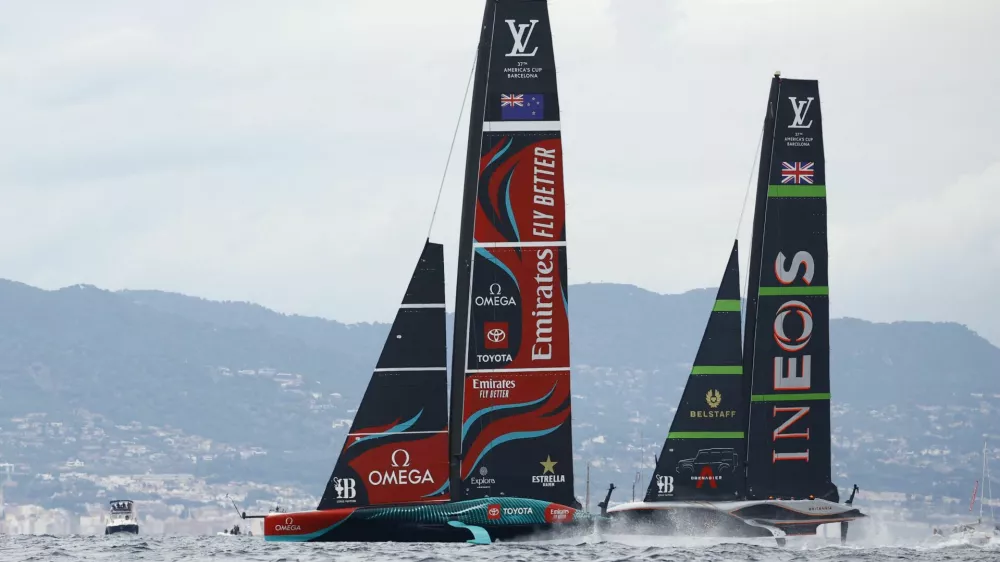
(762, 518)
(476, 521)
(132, 529)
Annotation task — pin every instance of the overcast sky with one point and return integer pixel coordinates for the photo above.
(289, 153)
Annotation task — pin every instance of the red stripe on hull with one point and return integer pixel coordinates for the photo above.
(303, 523)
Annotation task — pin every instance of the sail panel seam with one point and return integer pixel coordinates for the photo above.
(717, 370)
(705, 435)
(790, 397)
(413, 369)
(726, 305)
(398, 433)
(814, 291)
(520, 126)
(532, 370)
(802, 191)
(554, 244)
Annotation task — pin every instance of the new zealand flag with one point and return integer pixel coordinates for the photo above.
(523, 107)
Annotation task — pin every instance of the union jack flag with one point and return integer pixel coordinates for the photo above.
(797, 172)
(511, 100)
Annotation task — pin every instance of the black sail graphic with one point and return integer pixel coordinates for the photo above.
(511, 418)
(397, 447)
(788, 313)
(702, 458)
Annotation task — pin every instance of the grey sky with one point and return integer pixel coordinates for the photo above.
(291, 155)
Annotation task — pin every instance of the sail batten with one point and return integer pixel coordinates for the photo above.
(790, 397)
(521, 126)
(718, 369)
(705, 435)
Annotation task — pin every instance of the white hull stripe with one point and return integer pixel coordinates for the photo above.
(408, 369)
(397, 433)
(516, 370)
(553, 244)
(519, 126)
(441, 305)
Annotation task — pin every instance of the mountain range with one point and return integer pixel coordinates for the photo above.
(94, 382)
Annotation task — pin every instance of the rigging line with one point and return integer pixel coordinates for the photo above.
(451, 149)
(746, 196)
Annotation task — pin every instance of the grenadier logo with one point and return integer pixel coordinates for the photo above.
(706, 475)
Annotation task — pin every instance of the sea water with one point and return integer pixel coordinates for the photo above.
(603, 548)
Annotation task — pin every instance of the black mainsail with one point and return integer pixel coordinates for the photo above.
(397, 447)
(787, 346)
(511, 424)
(702, 456)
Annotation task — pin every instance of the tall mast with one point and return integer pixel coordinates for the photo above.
(982, 496)
(462, 301)
(756, 250)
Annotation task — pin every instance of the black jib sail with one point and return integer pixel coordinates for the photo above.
(702, 458)
(397, 447)
(511, 377)
(787, 352)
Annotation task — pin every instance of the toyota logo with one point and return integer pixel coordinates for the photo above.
(406, 459)
(496, 289)
(496, 335)
(289, 521)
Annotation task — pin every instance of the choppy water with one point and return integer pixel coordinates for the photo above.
(609, 549)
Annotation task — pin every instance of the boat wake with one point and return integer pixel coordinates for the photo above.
(594, 546)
